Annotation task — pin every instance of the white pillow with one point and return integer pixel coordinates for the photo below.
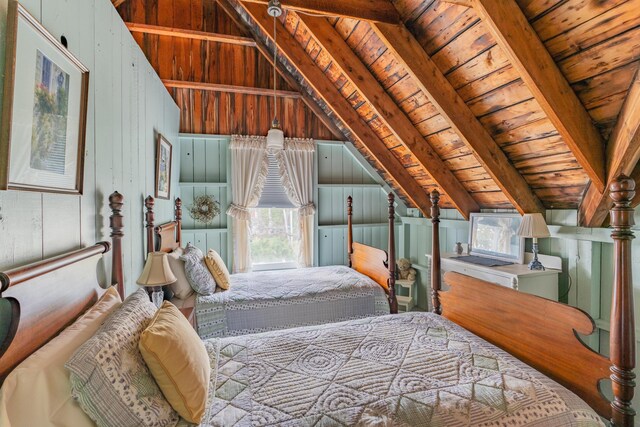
(38, 391)
(181, 288)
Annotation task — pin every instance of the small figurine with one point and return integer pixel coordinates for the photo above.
(405, 271)
(459, 249)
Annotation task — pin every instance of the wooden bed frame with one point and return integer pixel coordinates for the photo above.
(544, 333)
(44, 297)
(379, 265)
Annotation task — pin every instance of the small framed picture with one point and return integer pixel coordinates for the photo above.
(44, 110)
(163, 168)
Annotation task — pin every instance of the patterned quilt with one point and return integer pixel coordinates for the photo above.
(272, 300)
(413, 369)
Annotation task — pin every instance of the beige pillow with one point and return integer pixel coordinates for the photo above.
(181, 288)
(218, 270)
(38, 391)
(178, 361)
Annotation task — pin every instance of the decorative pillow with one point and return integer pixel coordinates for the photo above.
(178, 361)
(42, 378)
(109, 377)
(197, 273)
(181, 288)
(218, 269)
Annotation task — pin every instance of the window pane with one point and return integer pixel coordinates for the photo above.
(275, 236)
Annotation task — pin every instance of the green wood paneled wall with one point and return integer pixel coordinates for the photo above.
(204, 169)
(128, 106)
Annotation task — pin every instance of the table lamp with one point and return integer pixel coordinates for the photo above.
(534, 226)
(155, 275)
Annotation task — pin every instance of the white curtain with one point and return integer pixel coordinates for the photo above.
(249, 167)
(296, 171)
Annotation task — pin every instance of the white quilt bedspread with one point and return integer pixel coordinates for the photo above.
(265, 301)
(413, 369)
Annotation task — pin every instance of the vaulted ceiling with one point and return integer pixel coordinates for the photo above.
(529, 104)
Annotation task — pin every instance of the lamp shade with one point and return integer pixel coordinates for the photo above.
(156, 271)
(275, 139)
(533, 225)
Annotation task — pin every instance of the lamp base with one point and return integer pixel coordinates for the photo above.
(157, 295)
(535, 264)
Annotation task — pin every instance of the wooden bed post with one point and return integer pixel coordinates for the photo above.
(178, 216)
(393, 302)
(349, 229)
(622, 342)
(149, 202)
(116, 200)
(436, 284)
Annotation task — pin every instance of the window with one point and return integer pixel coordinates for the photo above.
(275, 238)
(275, 228)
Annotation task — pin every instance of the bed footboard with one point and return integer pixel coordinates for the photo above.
(544, 333)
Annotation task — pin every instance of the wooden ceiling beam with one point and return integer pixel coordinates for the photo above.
(368, 10)
(216, 87)
(286, 75)
(189, 34)
(536, 67)
(452, 107)
(386, 108)
(326, 90)
(623, 153)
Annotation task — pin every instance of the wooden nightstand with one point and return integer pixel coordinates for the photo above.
(190, 314)
(407, 301)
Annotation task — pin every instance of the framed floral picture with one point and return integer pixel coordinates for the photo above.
(163, 168)
(44, 110)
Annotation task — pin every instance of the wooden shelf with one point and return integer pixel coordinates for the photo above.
(203, 184)
(349, 185)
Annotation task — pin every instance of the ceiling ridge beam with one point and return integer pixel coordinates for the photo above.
(530, 57)
(284, 73)
(389, 112)
(216, 87)
(623, 153)
(298, 58)
(184, 33)
(368, 10)
(452, 107)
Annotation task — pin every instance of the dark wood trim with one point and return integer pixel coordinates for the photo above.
(622, 341)
(116, 201)
(349, 229)
(178, 216)
(184, 33)
(28, 272)
(150, 216)
(391, 249)
(216, 87)
(435, 253)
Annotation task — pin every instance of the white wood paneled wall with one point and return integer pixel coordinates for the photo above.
(128, 106)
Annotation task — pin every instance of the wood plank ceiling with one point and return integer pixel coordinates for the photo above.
(499, 103)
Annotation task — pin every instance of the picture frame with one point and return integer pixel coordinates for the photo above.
(44, 119)
(164, 153)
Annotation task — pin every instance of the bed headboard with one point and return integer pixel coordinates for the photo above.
(165, 237)
(38, 300)
(544, 333)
